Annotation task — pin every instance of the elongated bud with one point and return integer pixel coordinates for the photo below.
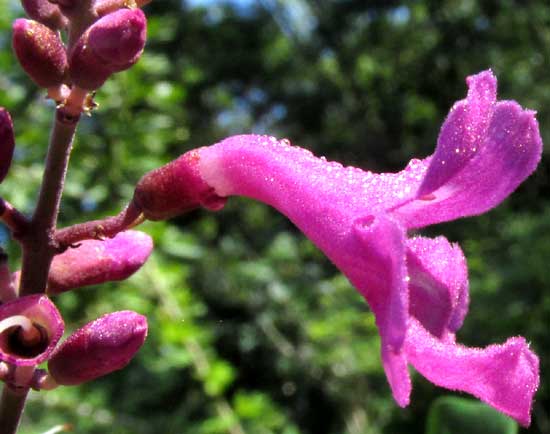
(40, 52)
(112, 44)
(99, 348)
(7, 142)
(96, 261)
(30, 328)
(174, 189)
(45, 12)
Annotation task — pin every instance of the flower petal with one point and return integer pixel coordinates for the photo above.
(471, 173)
(95, 261)
(334, 207)
(275, 172)
(462, 132)
(44, 316)
(504, 376)
(438, 285)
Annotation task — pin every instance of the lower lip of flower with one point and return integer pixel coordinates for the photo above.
(22, 338)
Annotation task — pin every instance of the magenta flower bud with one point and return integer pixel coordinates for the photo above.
(95, 261)
(30, 328)
(45, 12)
(99, 348)
(112, 44)
(7, 142)
(161, 195)
(40, 52)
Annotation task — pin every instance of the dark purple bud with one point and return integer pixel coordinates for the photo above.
(112, 44)
(66, 6)
(45, 12)
(95, 261)
(40, 52)
(30, 328)
(99, 348)
(7, 142)
(174, 189)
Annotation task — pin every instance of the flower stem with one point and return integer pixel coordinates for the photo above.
(39, 246)
(98, 229)
(11, 408)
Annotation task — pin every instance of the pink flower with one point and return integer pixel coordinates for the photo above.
(417, 287)
(94, 261)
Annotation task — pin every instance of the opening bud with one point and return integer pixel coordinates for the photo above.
(7, 142)
(175, 188)
(99, 348)
(30, 328)
(45, 12)
(112, 44)
(40, 52)
(95, 261)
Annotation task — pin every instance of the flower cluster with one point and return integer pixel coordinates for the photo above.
(31, 326)
(104, 37)
(417, 287)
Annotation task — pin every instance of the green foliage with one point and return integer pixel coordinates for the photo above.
(252, 330)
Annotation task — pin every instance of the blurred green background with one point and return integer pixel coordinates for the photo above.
(252, 330)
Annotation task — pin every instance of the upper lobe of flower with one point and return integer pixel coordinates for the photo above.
(486, 148)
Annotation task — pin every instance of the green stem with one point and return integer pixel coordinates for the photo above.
(39, 246)
(12, 404)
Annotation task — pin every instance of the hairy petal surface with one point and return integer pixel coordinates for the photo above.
(504, 376)
(95, 261)
(485, 150)
(438, 284)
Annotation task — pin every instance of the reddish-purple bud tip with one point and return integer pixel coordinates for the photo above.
(95, 262)
(45, 12)
(30, 328)
(112, 44)
(64, 3)
(7, 142)
(99, 348)
(40, 52)
(174, 189)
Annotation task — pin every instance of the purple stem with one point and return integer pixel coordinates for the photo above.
(11, 408)
(99, 229)
(39, 244)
